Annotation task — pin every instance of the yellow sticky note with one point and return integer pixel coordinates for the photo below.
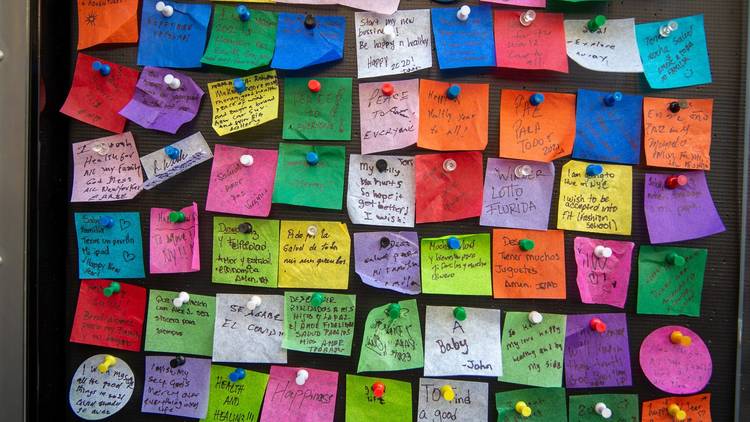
(601, 203)
(258, 103)
(314, 254)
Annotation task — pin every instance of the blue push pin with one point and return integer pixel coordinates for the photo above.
(102, 68)
(612, 98)
(453, 92)
(454, 243)
(237, 375)
(536, 99)
(172, 152)
(106, 221)
(244, 13)
(312, 158)
(594, 170)
(239, 85)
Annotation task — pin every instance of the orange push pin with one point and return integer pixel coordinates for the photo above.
(378, 389)
(522, 409)
(108, 361)
(676, 337)
(598, 325)
(677, 413)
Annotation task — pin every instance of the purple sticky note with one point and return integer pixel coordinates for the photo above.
(388, 260)
(314, 401)
(603, 270)
(683, 213)
(162, 106)
(388, 122)
(178, 391)
(517, 194)
(236, 188)
(594, 359)
(174, 245)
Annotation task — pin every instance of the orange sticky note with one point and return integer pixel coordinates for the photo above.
(538, 273)
(107, 22)
(541, 45)
(458, 124)
(540, 132)
(697, 408)
(680, 139)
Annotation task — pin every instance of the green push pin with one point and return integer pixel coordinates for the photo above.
(114, 287)
(526, 244)
(317, 299)
(176, 217)
(394, 310)
(459, 313)
(597, 22)
(675, 259)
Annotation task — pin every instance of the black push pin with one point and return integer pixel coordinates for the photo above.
(245, 228)
(177, 361)
(310, 21)
(381, 165)
(384, 242)
(674, 107)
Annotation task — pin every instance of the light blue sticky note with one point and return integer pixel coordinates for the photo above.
(608, 133)
(677, 60)
(109, 252)
(298, 47)
(176, 41)
(469, 43)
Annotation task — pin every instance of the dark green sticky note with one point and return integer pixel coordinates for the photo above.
(624, 408)
(324, 115)
(392, 344)
(318, 186)
(234, 400)
(547, 405)
(241, 45)
(668, 289)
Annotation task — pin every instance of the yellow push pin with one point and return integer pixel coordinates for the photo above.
(677, 413)
(678, 338)
(447, 392)
(108, 361)
(522, 409)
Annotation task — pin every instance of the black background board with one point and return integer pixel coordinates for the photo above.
(717, 324)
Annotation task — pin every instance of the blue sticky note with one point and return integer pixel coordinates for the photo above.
(677, 60)
(176, 41)
(298, 47)
(469, 43)
(608, 133)
(109, 245)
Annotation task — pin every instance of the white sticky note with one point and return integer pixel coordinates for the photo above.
(95, 395)
(611, 48)
(381, 198)
(160, 168)
(469, 402)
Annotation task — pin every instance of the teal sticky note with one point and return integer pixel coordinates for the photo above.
(318, 183)
(109, 245)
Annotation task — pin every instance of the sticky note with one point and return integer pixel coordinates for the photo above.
(624, 407)
(611, 48)
(608, 133)
(684, 213)
(409, 51)
(448, 186)
(533, 353)
(116, 384)
(239, 44)
(176, 41)
(680, 59)
(181, 391)
(238, 189)
(512, 201)
(174, 246)
(594, 359)
(96, 99)
(665, 288)
(461, 44)
(453, 124)
(325, 329)
(109, 252)
(249, 336)
(114, 321)
(159, 167)
(681, 139)
(697, 407)
(314, 254)
(391, 264)
(674, 368)
(541, 132)
(390, 344)
(468, 404)
(362, 405)
(234, 111)
(234, 401)
(388, 122)
(315, 401)
(246, 259)
(187, 329)
(381, 197)
(107, 23)
(603, 279)
(323, 115)
(461, 271)
(112, 174)
(300, 183)
(539, 46)
(469, 347)
(157, 106)
(528, 3)
(597, 204)
(547, 404)
(298, 47)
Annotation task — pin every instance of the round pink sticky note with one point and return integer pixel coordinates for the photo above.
(674, 368)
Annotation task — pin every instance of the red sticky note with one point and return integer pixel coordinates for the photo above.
(449, 186)
(96, 99)
(697, 408)
(115, 321)
(540, 45)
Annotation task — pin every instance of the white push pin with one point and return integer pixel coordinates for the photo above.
(100, 148)
(527, 17)
(535, 317)
(302, 376)
(389, 32)
(523, 171)
(449, 165)
(603, 410)
(602, 251)
(180, 300)
(171, 81)
(463, 13)
(253, 303)
(667, 29)
(312, 230)
(247, 160)
(165, 10)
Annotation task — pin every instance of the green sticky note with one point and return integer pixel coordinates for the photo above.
(247, 259)
(624, 408)
(547, 405)
(533, 353)
(392, 344)
(362, 405)
(462, 271)
(318, 186)
(327, 328)
(188, 329)
(325, 115)
(668, 289)
(235, 401)
(241, 44)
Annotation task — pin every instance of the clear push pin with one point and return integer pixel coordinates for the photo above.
(667, 29)
(449, 165)
(523, 171)
(463, 13)
(527, 17)
(389, 33)
(100, 148)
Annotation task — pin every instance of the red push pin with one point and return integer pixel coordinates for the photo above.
(378, 389)
(387, 89)
(313, 85)
(598, 325)
(673, 182)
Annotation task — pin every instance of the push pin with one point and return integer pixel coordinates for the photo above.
(597, 325)
(102, 68)
(381, 165)
(313, 85)
(114, 287)
(526, 244)
(378, 389)
(535, 317)
(594, 170)
(602, 410)
(176, 216)
(673, 258)
(172, 152)
(447, 392)
(527, 17)
(243, 13)
(536, 99)
(595, 23)
(164, 9)
(247, 160)
(667, 29)
(675, 107)
(172, 82)
(312, 230)
(459, 313)
(108, 361)
(312, 158)
(237, 375)
(387, 89)
(389, 33)
(245, 228)
(106, 221)
(453, 92)
(463, 13)
(181, 299)
(394, 311)
(302, 376)
(454, 243)
(602, 251)
(523, 171)
(676, 337)
(449, 165)
(677, 413)
(253, 303)
(177, 361)
(611, 99)
(673, 182)
(310, 21)
(239, 85)
(100, 148)
(522, 409)
(316, 299)
(384, 242)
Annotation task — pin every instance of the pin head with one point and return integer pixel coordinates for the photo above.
(389, 33)
(666, 30)
(523, 171)
(312, 230)
(536, 99)
(673, 182)
(449, 165)
(245, 228)
(302, 376)
(598, 325)
(316, 299)
(310, 21)
(535, 317)
(453, 91)
(595, 23)
(102, 68)
(239, 85)
(463, 13)
(100, 148)
(243, 13)
(602, 410)
(454, 243)
(675, 107)
(602, 251)
(312, 158)
(523, 409)
(387, 89)
(108, 361)
(384, 242)
(106, 221)
(114, 287)
(527, 17)
(676, 337)
(181, 299)
(171, 81)
(176, 216)
(378, 389)
(394, 311)
(381, 165)
(675, 259)
(237, 375)
(247, 160)
(611, 99)
(676, 412)
(594, 170)
(526, 244)
(172, 152)
(313, 85)
(177, 361)
(447, 392)
(459, 313)
(254, 302)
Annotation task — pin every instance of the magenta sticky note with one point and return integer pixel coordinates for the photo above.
(174, 245)
(683, 213)
(388, 122)
(314, 401)
(388, 260)
(179, 391)
(106, 169)
(603, 278)
(674, 368)
(597, 359)
(236, 188)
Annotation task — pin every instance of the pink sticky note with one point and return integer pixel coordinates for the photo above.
(106, 169)
(601, 279)
(174, 246)
(314, 401)
(674, 368)
(388, 122)
(238, 189)
(540, 45)
(526, 3)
